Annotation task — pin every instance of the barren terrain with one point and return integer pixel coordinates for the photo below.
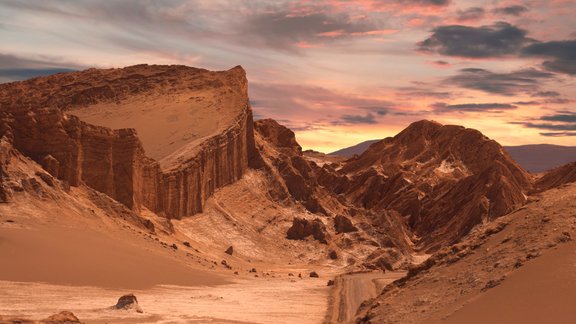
(208, 216)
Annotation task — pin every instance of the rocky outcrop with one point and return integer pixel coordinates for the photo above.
(295, 176)
(311, 180)
(443, 179)
(5, 153)
(113, 162)
(302, 228)
(557, 177)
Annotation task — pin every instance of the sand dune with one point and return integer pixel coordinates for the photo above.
(543, 291)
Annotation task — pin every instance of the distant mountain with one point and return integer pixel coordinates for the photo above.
(533, 158)
(541, 157)
(356, 149)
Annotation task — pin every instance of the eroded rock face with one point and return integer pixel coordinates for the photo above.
(5, 153)
(113, 161)
(302, 228)
(296, 177)
(443, 179)
(557, 177)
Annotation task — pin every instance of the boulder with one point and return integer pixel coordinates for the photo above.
(314, 274)
(343, 224)
(302, 228)
(229, 250)
(128, 302)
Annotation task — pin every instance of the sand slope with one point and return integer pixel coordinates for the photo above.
(543, 291)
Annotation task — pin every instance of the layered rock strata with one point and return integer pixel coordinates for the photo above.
(33, 117)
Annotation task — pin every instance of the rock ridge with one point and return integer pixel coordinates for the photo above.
(113, 161)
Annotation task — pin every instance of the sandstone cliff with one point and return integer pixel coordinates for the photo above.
(33, 117)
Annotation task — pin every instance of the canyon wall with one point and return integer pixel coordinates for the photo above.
(113, 161)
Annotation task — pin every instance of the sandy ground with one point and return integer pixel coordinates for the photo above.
(83, 257)
(64, 253)
(274, 300)
(50, 268)
(543, 291)
(350, 290)
(167, 123)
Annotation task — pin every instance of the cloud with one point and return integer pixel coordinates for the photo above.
(497, 40)
(562, 123)
(423, 91)
(473, 107)
(305, 25)
(15, 68)
(521, 81)
(563, 117)
(515, 10)
(471, 14)
(301, 105)
(527, 103)
(397, 6)
(561, 55)
(433, 3)
(558, 134)
(356, 119)
(546, 94)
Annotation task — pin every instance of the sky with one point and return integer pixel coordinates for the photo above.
(337, 72)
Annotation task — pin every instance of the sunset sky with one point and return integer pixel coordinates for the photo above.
(337, 72)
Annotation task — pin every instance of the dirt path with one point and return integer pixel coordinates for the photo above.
(350, 290)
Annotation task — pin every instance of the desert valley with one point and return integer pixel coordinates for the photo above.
(156, 181)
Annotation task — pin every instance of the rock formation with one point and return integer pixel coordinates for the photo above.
(302, 228)
(557, 177)
(443, 179)
(113, 162)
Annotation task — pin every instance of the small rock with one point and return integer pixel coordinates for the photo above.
(290, 274)
(225, 264)
(46, 178)
(564, 237)
(64, 317)
(229, 250)
(128, 302)
(330, 283)
(333, 255)
(252, 270)
(174, 246)
(187, 244)
(313, 274)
